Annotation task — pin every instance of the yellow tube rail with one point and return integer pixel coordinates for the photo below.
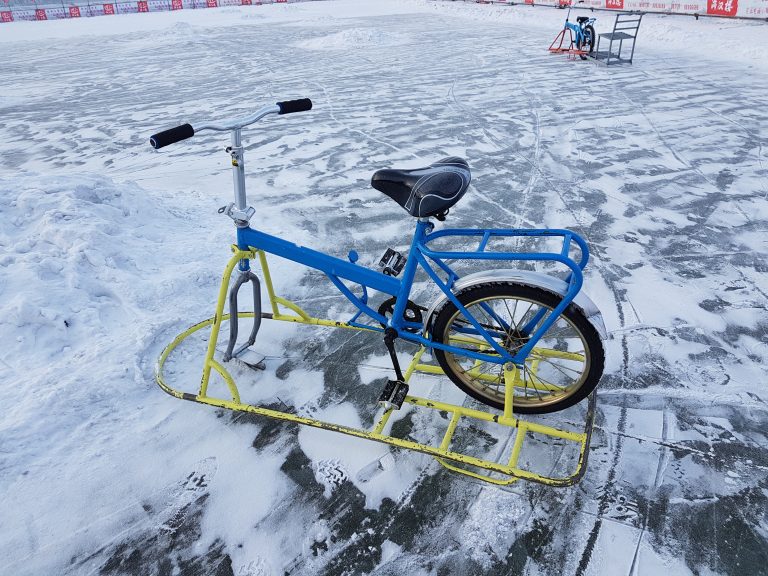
(500, 473)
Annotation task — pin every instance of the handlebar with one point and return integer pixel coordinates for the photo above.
(179, 133)
(171, 136)
(291, 106)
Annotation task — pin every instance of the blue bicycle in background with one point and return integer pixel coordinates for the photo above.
(516, 340)
(582, 36)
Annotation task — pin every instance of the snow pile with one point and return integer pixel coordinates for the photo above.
(350, 39)
(74, 252)
(65, 239)
(289, 14)
(85, 298)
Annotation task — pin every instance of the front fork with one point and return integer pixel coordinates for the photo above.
(245, 276)
(241, 213)
(210, 362)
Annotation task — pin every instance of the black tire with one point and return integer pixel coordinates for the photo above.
(587, 42)
(549, 381)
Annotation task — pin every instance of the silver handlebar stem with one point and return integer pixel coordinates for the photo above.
(238, 169)
(239, 211)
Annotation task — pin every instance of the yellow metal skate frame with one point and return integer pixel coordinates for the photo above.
(487, 470)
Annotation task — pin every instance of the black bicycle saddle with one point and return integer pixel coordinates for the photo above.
(425, 192)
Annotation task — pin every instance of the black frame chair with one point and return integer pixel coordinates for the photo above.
(625, 27)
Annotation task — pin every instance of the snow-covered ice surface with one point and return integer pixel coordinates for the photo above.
(109, 249)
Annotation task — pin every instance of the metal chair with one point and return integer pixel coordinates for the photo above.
(625, 28)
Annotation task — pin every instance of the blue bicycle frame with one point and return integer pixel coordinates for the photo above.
(578, 30)
(432, 262)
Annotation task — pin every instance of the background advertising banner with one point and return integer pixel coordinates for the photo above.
(17, 10)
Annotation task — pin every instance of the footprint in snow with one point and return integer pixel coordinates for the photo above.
(331, 474)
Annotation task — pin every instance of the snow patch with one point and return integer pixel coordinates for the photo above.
(351, 38)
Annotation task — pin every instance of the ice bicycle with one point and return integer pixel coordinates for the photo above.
(581, 36)
(516, 340)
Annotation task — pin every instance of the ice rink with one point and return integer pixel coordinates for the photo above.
(110, 248)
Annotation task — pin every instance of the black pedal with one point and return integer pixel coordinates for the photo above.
(392, 262)
(394, 394)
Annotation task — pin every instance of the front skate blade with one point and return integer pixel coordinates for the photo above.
(248, 357)
(373, 469)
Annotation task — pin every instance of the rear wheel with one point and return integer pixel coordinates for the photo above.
(587, 42)
(561, 370)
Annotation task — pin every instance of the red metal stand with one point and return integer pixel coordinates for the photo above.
(559, 39)
(570, 50)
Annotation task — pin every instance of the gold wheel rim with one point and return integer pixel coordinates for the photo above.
(537, 382)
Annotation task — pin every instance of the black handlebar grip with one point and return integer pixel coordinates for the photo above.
(290, 106)
(171, 136)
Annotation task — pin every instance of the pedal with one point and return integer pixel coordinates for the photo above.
(392, 262)
(393, 395)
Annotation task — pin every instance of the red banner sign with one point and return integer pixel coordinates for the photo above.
(717, 8)
(722, 7)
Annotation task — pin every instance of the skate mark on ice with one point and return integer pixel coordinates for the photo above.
(162, 512)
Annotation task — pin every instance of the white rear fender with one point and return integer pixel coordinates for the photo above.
(525, 278)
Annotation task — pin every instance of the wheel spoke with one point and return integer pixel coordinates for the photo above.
(546, 385)
(532, 380)
(517, 326)
(556, 369)
(560, 368)
(550, 353)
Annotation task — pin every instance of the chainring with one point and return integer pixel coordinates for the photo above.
(412, 312)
